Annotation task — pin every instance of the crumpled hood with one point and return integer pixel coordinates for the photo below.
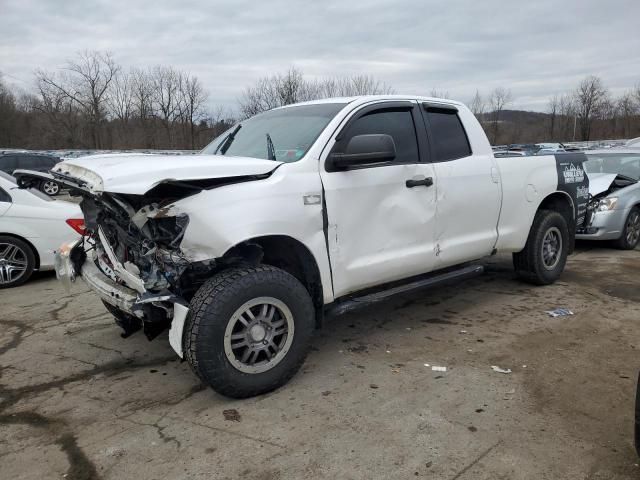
(139, 173)
(600, 182)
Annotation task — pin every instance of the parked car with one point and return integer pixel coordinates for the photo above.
(9, 162)
(614, 188)
(304, 211)
(32, 227)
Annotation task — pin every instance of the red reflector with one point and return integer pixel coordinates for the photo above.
(77, 224)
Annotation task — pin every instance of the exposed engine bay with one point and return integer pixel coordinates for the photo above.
(602, 188)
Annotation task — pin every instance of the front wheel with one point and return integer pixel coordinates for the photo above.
(248, 330)
(631, 233)
(543, 258)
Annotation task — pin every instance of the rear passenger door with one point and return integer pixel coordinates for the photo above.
(468, 194)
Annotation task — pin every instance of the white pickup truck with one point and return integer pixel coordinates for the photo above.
(303, 211)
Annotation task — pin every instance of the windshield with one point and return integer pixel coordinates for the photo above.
(627, 164)
(284, 133)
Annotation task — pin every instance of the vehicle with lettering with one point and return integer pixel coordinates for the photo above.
(305, 211)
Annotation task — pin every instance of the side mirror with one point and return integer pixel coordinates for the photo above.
(363, 150)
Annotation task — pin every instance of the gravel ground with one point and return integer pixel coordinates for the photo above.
(79, 402)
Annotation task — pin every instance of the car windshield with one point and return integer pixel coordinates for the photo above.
(627, 164)
(283, 133)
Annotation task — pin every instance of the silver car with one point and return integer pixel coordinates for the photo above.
(613, 212)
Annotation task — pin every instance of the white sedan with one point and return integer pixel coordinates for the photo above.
(32, 227)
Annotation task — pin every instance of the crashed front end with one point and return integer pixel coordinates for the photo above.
(131, 256)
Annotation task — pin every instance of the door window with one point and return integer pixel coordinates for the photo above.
(398, 123)
(8, 163)
(448, 137)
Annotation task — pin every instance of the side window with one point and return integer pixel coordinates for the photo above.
(32, 163)
(8, 164)
(447, 135)
(4, 196)
(394, 122)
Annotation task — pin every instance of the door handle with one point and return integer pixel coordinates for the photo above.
(417, 182)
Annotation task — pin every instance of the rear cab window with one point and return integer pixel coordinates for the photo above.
(447, 134)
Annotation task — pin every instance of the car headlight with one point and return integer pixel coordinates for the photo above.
(607, 204)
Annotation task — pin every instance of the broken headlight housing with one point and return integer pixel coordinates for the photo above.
(607, 204)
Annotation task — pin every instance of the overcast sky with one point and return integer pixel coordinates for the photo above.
(536, 48)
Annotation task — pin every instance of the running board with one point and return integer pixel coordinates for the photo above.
(350, 304)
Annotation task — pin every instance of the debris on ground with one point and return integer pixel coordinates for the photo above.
(559, 312)
(500, 370)
(435, 368)
(373, 385)
(231, 415)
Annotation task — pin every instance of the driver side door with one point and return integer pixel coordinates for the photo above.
(380, 228)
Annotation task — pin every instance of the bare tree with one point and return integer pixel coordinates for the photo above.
(85, 81)
(292, 87)
(435, 93)
(590, 96)
(165, 90)
(477, 105)
(193, 98)
(498, 100)
(552, 109)
(628, 108)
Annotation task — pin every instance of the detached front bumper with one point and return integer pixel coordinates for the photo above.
(68, 268)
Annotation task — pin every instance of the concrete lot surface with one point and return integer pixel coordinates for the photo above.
(79, 402)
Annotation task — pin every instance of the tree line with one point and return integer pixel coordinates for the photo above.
(95, 103)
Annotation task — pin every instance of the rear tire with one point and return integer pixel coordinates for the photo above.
(17, 261)
(50, 187)
(631, 232)
(248, 330)
(543, 258)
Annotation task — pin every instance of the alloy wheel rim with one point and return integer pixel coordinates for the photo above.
(50, 188)
(633, 228)
(259, 335)
(13, 263)
(551, 248)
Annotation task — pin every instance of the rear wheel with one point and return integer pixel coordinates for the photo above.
(545, 254)
(50, 188)
(17, 261)
(631, 232)
(248, 330)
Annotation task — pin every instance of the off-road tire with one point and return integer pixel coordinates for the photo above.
(623, 242)
(29, 255)
(211, 310)
(529, 263)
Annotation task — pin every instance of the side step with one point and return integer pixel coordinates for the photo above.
(339, 307)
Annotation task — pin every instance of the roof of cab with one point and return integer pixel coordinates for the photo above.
(361, 99)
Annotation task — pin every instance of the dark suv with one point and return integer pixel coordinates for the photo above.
(9, 162)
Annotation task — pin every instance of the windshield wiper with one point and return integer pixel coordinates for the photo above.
(271, 150)
(224, 145)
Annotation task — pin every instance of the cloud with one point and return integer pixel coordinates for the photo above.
(536, 49)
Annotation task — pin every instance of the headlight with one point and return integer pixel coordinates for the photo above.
(607, 204)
